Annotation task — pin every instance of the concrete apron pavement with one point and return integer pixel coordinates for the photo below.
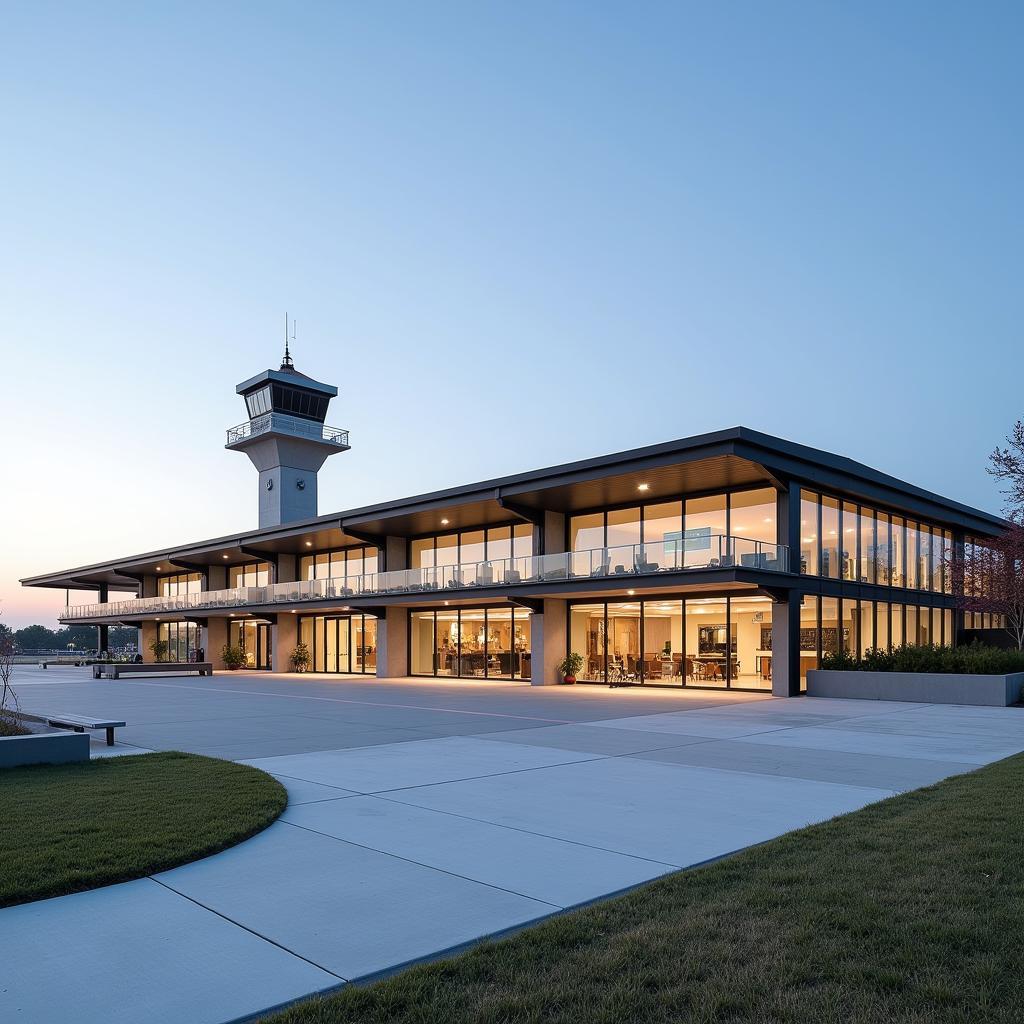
(444, 813)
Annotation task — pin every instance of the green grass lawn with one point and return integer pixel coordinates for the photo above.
(65, 828)
(911, 910)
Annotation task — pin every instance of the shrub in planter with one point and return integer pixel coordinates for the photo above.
(971, 659)
(233, 657)
(300, 658)
(569, 666)
(159, 649)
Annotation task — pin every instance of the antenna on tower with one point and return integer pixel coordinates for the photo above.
(286, 363)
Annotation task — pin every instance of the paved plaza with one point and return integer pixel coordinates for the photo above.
(424, 815)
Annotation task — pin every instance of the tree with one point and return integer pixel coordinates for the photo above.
(8, 698)
(1007, 466)
(35, 638)
(989, 578)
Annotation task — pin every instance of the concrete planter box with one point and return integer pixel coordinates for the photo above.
(43, 748)
(917, 687)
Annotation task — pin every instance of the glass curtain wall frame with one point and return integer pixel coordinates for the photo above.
(182, 639)
(844, 540)
(179, 584)
(249, 574)
(338, 563)
(253, 638)
(343, 644)
(463, 547)
(748, 512)
(492, 642)
(705, 643)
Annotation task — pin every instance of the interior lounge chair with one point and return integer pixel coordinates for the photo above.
(641, 565)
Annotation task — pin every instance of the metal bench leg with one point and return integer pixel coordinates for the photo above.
(110, 736)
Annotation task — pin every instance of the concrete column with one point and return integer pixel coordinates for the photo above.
(217, 577)
(213, 639)
(284, 635)
(396, 555)
(393, 644)
(548, 633)
(554, 533)
(147, 634)
(148, 586)
(786, 646)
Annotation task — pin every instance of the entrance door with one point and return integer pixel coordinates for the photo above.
(254, 640)
(264, 657)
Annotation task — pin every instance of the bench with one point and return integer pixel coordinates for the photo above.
(116, 669)
(77, 662)
(76, 723)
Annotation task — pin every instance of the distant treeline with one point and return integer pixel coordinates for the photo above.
(39, 638)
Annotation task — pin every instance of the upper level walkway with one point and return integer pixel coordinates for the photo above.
(685, 554)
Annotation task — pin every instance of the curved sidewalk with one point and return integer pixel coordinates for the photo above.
(447, 813)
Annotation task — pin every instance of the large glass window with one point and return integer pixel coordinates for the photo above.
(868, 547)
(830, 637)
(810, 637)
(182, 639)
(587, 638)
(709, 643)
(623, 529)
(704, 525)
(849, 534)
(849, 628)
(251, 574)
(180, 584)
(352, 561)
(899, 552)
(662, 632)
(830, 562)
(341, 643)
(421, 646)
(752, 514)
(253, 639)
(882, 626)
(883, 561)
(809, 511)
(467, 547)
(751, 622)
(474, 643)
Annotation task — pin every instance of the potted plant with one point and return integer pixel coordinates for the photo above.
(569, 666)
(300, 658)
(233, 657)
(159, 649)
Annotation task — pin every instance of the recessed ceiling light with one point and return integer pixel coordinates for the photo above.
(631, 592)
(224, 556)
(444, 522)
(643, 487)
(158, 568)
(309, 543)
(293, 611)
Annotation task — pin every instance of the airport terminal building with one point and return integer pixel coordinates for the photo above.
(727, 560)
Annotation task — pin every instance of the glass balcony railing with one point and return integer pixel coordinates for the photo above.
(712, 551)
(281, 423)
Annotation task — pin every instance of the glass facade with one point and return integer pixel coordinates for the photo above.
(180, 584)
(254, 640)
(471, 643)
(464, 547)
(182, 639)
(691, 522)
(707, 642)
(340, 643)
(842, 540)
(249, 574)
(327, 565)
